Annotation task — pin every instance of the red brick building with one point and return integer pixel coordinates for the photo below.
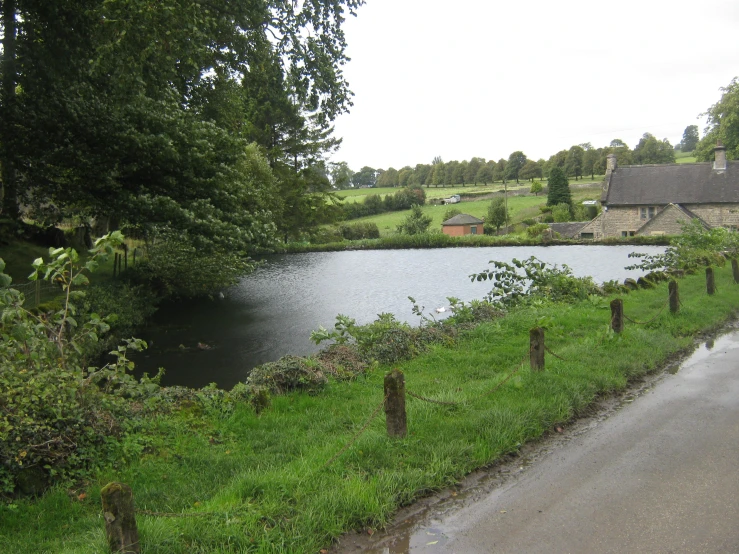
(462, 224)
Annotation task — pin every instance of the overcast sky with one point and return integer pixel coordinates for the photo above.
(483, 78)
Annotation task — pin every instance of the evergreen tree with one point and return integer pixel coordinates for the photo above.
(559, 188)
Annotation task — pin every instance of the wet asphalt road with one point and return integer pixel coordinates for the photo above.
(660, 475)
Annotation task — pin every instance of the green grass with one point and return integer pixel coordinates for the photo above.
(686, 160)
(258, 484)
(358, 195)
(18, 256)
(520, 207)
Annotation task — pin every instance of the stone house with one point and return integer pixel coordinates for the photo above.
(655, 199)
(462, 224)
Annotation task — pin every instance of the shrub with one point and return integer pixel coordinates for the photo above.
(561, 213)
(537, 229)
(326, 236)
(288, 374)
(358, 231)
(175, 266)
(415, 223)
(60, 418)
(524, 279)
(450, 213)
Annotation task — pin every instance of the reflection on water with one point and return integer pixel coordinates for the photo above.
(272, 312)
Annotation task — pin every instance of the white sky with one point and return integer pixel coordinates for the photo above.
(483, 78)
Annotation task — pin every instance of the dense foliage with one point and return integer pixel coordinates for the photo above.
(695, 247)
(723, 125)
(204, 121)
(558, 189)
(404, 199)
(60, 416)
(532, 279)
(415, 223)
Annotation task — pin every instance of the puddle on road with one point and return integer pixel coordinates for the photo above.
(712, 346)
(421, 530)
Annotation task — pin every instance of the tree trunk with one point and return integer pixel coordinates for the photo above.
(9, 185)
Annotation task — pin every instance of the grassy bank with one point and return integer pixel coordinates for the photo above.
(237, 482)
(439, 240)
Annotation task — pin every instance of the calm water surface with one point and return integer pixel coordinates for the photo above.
(272, 312)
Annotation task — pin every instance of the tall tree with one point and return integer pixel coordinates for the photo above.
(650, 150)
(531, 170)
(574, 161)
(515, 163)
(690, 138)
(141, 111)
(497, 214)
(723, 125)
(473, 167)
(559, 188)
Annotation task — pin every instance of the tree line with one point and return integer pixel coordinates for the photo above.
(577, 162)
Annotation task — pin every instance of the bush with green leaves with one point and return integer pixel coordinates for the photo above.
(289, 373)
(60, 417)
(562, 213)
(416, 222)
(450, 213)
(522, 280)
(359, 231)
(175, 265)
(537, 229)
(694, 248)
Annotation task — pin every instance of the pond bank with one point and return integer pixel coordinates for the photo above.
(438, 240)
(263, 483)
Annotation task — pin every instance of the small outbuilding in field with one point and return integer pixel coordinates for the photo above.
(462, 224)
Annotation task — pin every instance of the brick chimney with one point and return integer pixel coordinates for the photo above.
(611, 163)
(719, 164)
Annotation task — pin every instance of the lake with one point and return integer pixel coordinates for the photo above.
(272, 312)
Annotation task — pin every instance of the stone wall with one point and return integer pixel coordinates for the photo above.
(669, 222)
(716, 215)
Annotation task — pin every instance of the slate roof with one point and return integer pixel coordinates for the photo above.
(463, 219)
(673, 183)
(568, 230)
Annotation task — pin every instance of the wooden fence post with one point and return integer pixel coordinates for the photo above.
(710, 281)
(617, 315)
(536, 349)
(395, 417)
(125, 256)
(120, 519)
(735, 269)
(674, 296)
(134, 256)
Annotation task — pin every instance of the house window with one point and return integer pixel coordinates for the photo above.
(473, 229)
(648, 213)
(624, 233)
(586, 235)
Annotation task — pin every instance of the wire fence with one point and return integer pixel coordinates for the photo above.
(36, 293)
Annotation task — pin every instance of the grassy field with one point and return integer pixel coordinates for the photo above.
(236, 482)
(520, 207)
(685, 158)
(358, 195)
